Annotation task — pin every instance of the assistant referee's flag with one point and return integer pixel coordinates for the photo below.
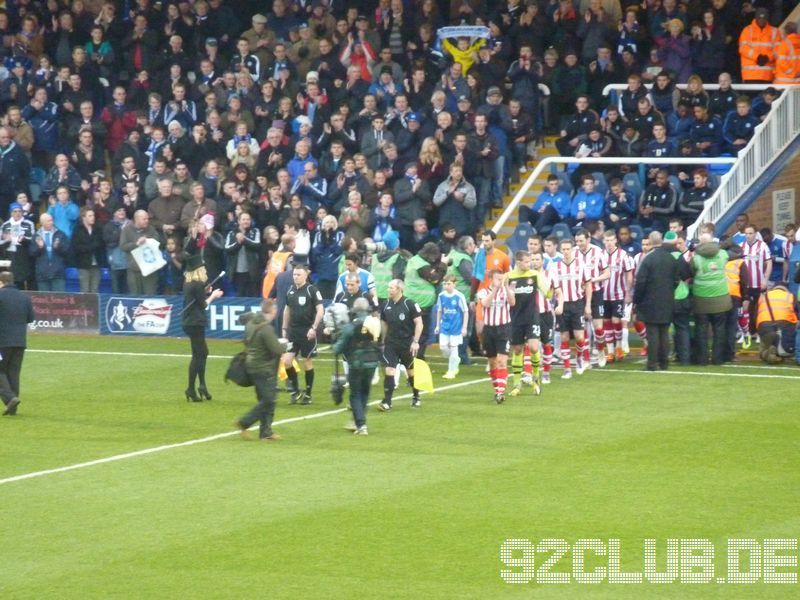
(423, 380)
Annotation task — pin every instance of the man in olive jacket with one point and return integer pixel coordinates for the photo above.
(654, 297)
(264, 350)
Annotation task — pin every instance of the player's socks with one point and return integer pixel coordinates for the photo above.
(608, 327)
(526, 360)
(625, 333)
(618, 334)
(502, 380)
(453, 360)
(744, 322)
(493, 377)
(599, 340)
(584, 351)
(565, 353)
(536, 363)
(547, 360)
(309, 380)
(291, 373)
(388, 390)
(414, 391)
(516, 365)
(641, 330)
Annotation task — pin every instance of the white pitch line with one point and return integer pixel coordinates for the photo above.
(436, 361)
(762, 367)
(702, 373)
(210, 438)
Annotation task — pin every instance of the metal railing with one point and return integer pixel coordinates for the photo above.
(770, 139)
(736, 87)
(546, 163)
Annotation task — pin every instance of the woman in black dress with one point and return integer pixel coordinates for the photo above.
(196, 297)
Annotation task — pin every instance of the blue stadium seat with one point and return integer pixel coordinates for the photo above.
(600, 183)
(675, 183)
(637, 233)
(73, 283)
(561, 231)
(519, 238)
(632, 184)
(564, 182)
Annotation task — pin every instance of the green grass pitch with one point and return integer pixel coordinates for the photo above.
(418, 509)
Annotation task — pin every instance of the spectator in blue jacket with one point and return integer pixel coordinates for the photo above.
(42, 115)
(326, 251)
(706, 133)
(551, 207)
(62, 173)
(587, 205)
(620, 205)
(50, 250)
(64, 211)
(739, 126)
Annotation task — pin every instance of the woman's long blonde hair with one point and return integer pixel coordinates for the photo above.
(429, 152)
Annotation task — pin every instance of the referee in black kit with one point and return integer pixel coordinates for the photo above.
(301, 319)
(402, 328)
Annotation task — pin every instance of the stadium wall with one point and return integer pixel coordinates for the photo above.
(777, 203)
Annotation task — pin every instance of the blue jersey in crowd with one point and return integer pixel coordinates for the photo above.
(453, 310)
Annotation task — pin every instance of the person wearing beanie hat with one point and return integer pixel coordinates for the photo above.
(196, 297)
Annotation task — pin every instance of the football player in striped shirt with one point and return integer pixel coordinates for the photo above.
(616, 294)
(576, 287)
(596, 262)
(452, 313)
(758, 258)
(545, 291)
(638, 325)
(496, 301)
(525, 330)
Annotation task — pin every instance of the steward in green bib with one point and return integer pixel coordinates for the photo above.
(682, 310)
(424, 271)
(711, 299)
(388, 265)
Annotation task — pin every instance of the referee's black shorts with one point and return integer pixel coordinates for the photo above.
(572, 319)
(496, 340)
(398, 354)
(301, 345)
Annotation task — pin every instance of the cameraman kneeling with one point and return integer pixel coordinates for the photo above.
(358, 342)
(776, 322)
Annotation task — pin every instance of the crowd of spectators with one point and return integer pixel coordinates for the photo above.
(320, 127)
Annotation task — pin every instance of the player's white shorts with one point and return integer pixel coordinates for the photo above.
(450, 341)
(627, 314)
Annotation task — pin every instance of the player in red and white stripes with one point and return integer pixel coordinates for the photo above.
(758, 259)
(638, 325)
(616, 294)
(546, 290)
(596, 262)
(571, 276)
(497, 300)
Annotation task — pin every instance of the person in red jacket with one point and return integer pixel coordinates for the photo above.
(119, 118)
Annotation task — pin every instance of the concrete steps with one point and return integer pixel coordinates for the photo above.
(547, 149)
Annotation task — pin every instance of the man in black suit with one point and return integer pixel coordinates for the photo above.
(16, 311)
(653, 296)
